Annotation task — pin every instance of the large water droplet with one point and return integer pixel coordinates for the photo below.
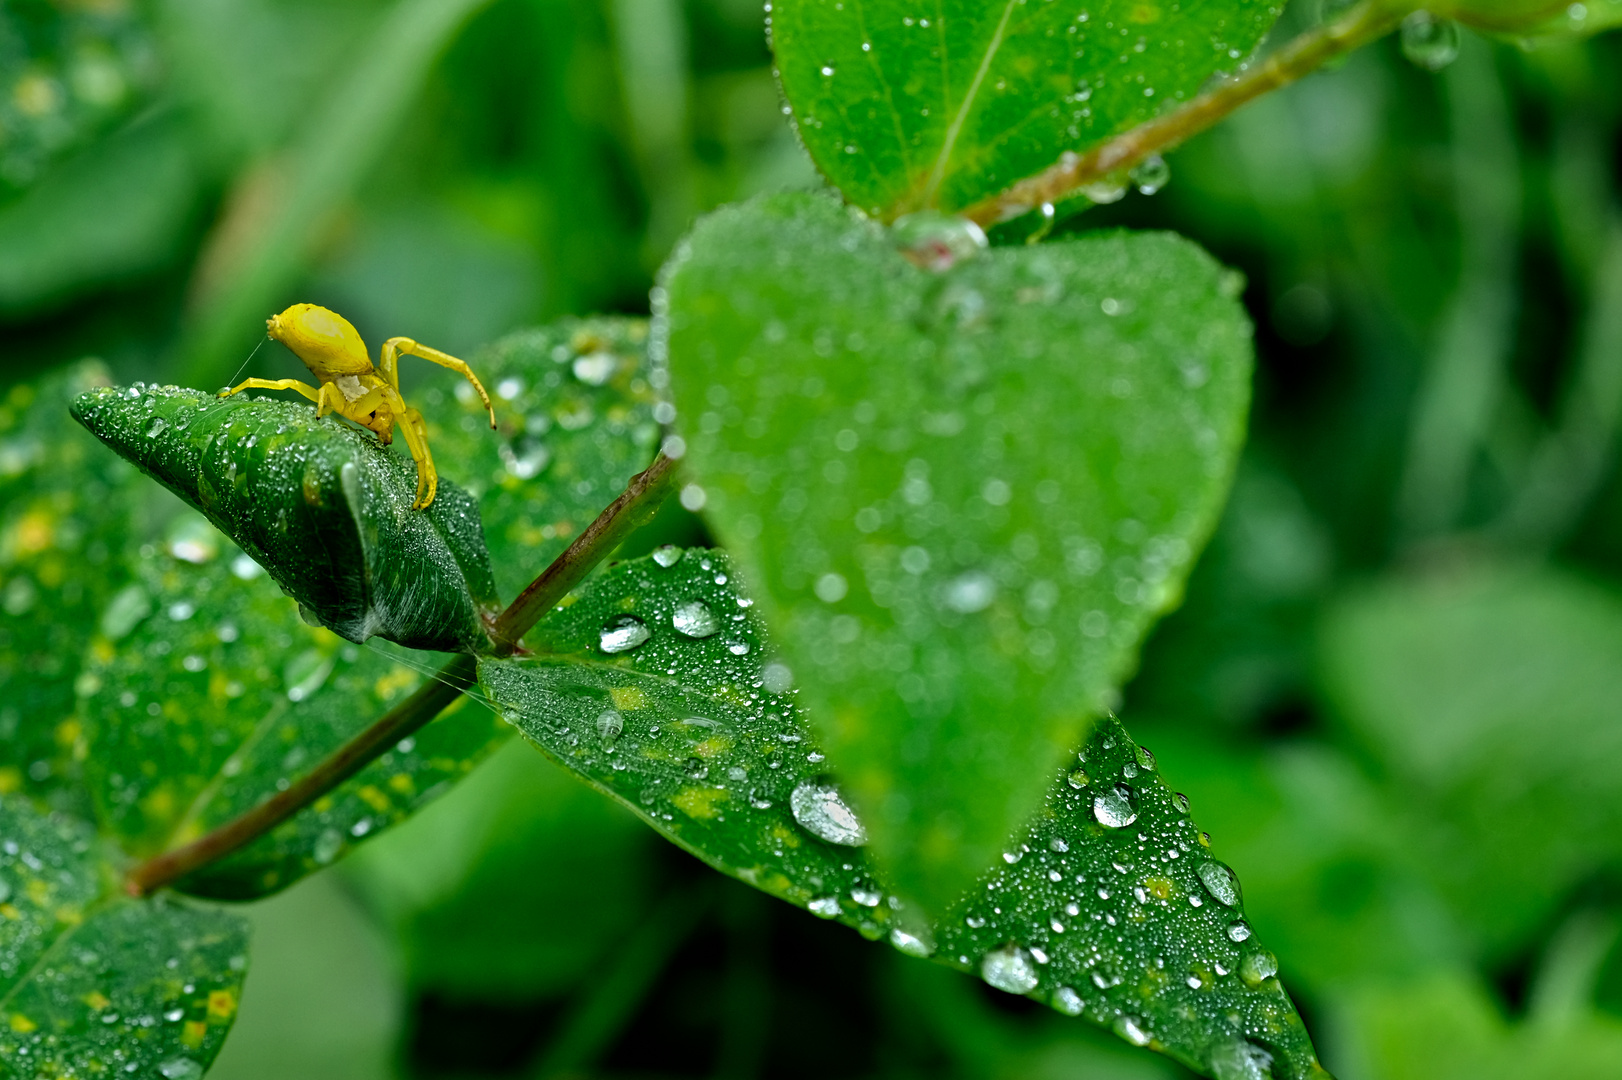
(937, 241)
(609, 725)
(1113, 807)
(1009, 968)
(695, 619)
(825, 906)
(622, 634)
(1067, 1001)
(914, 941)
(327, 846)
(667, 556)
(180, 1069)
(1239, 931)
(1151, 174)
(1221, 881)
(1430, 42)
(970, 592)
(819, 809)
(1132, 1030)
(1258, 967)
(1241, 1060)
(158, 426)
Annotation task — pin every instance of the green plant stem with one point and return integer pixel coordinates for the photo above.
(633, 507)
(1368, 22)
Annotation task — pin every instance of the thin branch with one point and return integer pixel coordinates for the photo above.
(635, 505)
(349, 759)
(1367, 22)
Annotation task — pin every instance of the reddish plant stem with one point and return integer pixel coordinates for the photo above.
(1367, 22)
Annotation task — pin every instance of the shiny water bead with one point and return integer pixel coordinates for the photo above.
(622, 634)
(820, 810)
(1430, 42)
(937, 241)
(1258, 967)
(1010, 968)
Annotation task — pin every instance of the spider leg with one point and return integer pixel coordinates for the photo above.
(389, 365)
(279, 384)
(415, 432)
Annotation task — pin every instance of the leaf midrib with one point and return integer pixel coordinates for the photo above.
(938, 174)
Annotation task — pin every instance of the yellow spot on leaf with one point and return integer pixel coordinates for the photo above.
(10, 911)
(96, 1000)
(699, 803)
(11, 778)
(714, 746)
(402, 783)
(34, 532)
(785, 835)
(1160, 887)
(222, 1005)
(1143, 13)
(67, 732)
(374, 798)
(627, 698)
(192, 1035)
(21, 1024)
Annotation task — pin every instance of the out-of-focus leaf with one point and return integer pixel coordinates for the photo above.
(482, 888)
(654, 685)
(324, 508)
(576, 422)
(67, 70)
(1535, 18)
(94, 985)
(1494, 697)
(962, 497)
(67, 512)
(217, 695)
(905, 106)
(118, 210)
(1448, 1027)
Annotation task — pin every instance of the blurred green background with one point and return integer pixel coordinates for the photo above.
(1394, 692)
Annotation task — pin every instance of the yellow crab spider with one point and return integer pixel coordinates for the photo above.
(335, 354)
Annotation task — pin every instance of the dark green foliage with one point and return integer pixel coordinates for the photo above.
(962, 497)
(324, 508)
(905, 106)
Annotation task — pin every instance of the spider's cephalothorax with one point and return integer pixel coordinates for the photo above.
(351, 387)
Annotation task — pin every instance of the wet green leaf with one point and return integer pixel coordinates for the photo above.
(68, 71)
(67, 511)
(905, 106)
(961, 497)
(656, 686)
(94, 984)
(323, 507)
(575, 415)
(1493, 697)
(218, 695)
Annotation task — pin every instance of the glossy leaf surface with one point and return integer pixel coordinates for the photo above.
(656, 686)
(575, 417)
(218, 695)
(67, 511)
(906, 105)
(94, 985)
(323, 507)
(960, 497)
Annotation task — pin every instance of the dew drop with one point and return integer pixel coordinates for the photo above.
(1146, 759)
(820, 810)
(1151, 174)
(1009, 968)
(1078, 778)
(1180, 801)
(595, 369)
(1241, 1060)
(695, 619)
(1239, 931)
(935, 241)
(327, 846)
(622, 634)
(1067, 1001)
(667, 556)
(1131, 1029)
(825, 906)
(1113, 808)
(970, 592)
(1258, 967)
(158, 426)
(866, 897)
(1430, 42)
(738, 648)
(1221, 882)
(609, 725)
(915, 942)
(181, 1068)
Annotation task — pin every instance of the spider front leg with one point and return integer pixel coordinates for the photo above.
(415, 431)
(317, 396)
(390, 362)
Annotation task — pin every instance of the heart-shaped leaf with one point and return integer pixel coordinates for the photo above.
(960, 497)
(656, 684)
(324, 508)
(218, 695)
(905, 106)
(99, 985)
